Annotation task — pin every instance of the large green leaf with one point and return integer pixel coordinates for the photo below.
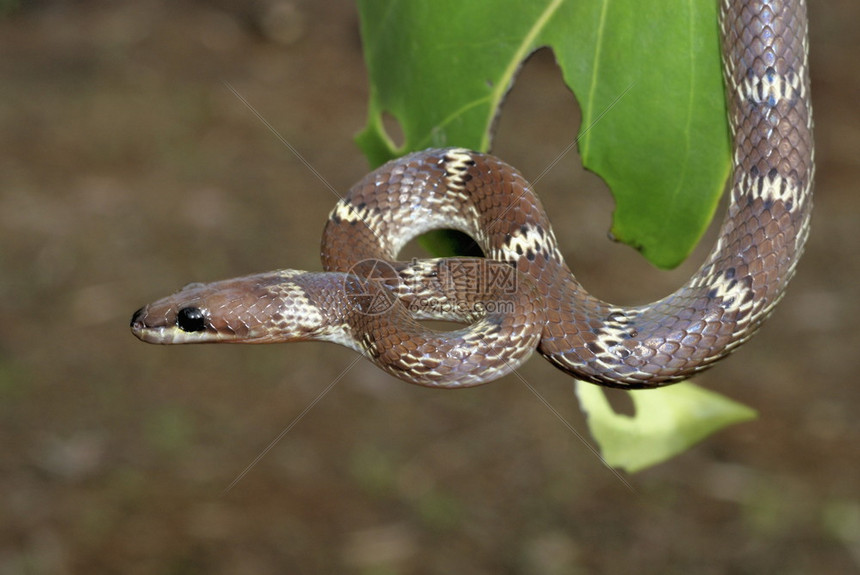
(667, 422)
(646, 74)
(647, 78)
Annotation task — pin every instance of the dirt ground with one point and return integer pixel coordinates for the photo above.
(128, 168)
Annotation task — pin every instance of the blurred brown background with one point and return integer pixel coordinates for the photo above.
(128, 168)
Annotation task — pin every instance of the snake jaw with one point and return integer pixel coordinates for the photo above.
(155, 323)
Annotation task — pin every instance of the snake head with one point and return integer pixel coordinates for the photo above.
(263, 308)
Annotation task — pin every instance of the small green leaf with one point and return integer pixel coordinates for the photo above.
(667, 422)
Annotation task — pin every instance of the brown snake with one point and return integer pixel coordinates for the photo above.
(368, 301)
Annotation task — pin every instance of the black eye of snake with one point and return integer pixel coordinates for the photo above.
(191, 319)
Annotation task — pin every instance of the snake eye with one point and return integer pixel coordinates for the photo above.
(191, 319)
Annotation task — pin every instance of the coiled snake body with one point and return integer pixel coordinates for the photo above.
(368, 301)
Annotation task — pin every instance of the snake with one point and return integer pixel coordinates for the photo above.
(522, 296)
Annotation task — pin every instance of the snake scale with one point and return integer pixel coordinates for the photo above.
(523, 297)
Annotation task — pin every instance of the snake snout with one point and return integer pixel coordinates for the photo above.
(139, 325)
(142, 324)
(136, 322)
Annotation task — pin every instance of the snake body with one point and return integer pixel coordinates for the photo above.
(523, 296)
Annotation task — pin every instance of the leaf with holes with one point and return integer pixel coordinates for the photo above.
(646, 75)
(667, 422)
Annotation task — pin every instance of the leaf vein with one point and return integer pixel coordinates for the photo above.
(526, 45)
(588, 109)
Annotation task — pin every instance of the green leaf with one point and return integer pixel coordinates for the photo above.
(667, 422)
(646, 74)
